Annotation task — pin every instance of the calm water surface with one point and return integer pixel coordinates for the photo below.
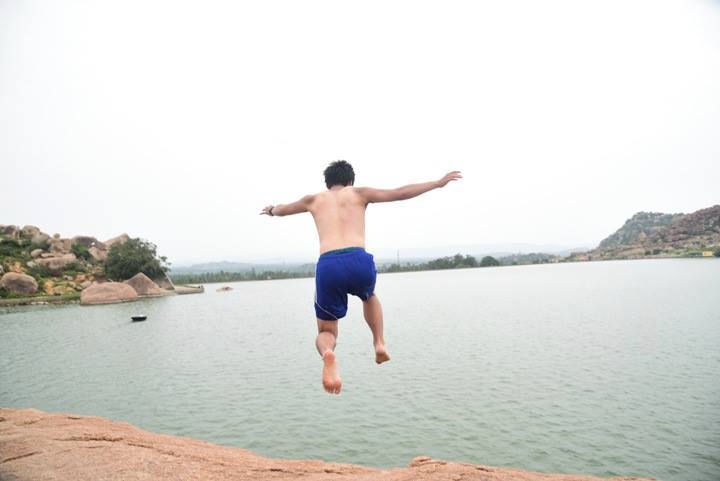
(604, 368)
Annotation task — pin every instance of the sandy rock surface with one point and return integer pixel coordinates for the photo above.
(38, 446)
(107, 293)
(144, 286)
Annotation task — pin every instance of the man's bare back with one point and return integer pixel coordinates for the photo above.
(339, 215)
(344, 267)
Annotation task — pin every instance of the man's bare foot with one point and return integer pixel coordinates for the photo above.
(381, 354)
(330, 377)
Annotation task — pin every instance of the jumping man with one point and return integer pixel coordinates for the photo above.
(344, 267)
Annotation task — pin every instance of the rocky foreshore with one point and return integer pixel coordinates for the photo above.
(35, 445)
(37, 268)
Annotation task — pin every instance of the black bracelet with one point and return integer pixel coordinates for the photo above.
(270, 211)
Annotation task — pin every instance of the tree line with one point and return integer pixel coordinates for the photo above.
(451, 262)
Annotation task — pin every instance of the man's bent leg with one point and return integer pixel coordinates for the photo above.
(325, 343)
(374, 318)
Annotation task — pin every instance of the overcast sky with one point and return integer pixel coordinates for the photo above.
(178, 121)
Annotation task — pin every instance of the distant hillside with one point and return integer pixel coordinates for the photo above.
(653, 234)
(697, 230)
(241, 267)
(638, 228)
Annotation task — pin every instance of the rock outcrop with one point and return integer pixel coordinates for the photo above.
(61, 246)
(107, 293)
(18, 283)
(29, 231)
(40, 240)
(145, 287)
(56, 264)
(36, 445)
(8, 230)
(121, 239)
(85, 240)
(98, 254)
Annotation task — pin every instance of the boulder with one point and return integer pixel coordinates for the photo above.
(165, 282)
(144, 286)
(107, 293)
(84, 240)
(40, 240)
(29, 231)
(121, 239)
(8, 230)
(60, 245)
(18, 283)
(98, 254)
(57, 264)
(36, 253)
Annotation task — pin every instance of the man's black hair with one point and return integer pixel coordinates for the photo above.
(339, 172)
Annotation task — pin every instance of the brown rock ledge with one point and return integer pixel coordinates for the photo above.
(37, 446)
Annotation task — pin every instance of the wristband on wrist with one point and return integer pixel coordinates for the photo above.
(271, 211)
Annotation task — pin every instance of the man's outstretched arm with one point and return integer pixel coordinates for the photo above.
(407, 191)
(296, 207)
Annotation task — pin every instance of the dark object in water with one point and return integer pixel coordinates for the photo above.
(138, 318)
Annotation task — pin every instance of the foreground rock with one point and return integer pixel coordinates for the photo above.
(107, 293)
(40, 446)
(145, 287)
(18, 283)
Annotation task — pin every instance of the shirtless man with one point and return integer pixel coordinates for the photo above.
(344, 267)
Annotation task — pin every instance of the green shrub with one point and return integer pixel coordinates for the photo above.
(489, 261)
(39, 272)
(5, 294)
(81, 252)
(11, 248)
(72, 269)
(716, 253)
(136, 255)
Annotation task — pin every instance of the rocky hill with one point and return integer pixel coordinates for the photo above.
(37, 445)
(653, 234)
(37, 266)
(698, 230)
(638, 228)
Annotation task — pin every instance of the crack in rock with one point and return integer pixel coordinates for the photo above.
(19, 457)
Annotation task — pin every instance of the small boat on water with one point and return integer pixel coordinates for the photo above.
(138, 318)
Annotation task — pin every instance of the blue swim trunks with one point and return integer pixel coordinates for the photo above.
(339, 273)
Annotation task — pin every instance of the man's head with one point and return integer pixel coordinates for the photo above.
(339, 172)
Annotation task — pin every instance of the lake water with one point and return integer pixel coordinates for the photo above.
(606, 368)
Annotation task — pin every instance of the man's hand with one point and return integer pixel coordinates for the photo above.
(449, 177)
(267, 210)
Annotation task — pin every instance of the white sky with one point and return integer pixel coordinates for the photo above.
(177, 121)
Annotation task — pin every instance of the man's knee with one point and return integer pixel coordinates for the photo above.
(327, 326)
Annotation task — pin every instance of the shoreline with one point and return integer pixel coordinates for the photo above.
(34, 443)
(192, 289)
(39, 301)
